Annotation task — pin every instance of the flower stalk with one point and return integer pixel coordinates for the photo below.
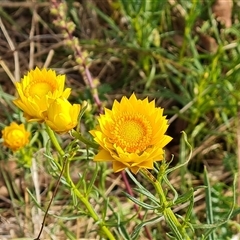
(177, 229)
(54, 140)
(84, 140)
(81, 197)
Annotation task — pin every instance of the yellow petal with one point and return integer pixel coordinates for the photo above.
(118, 166)
(37, 89)
(102, 156)
(61, 116)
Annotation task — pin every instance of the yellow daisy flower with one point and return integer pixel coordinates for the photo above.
(15, 136)
(132, 134)
(61, 116)
(35, 91)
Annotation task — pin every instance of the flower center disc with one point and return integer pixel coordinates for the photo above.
(40, 89)
(16, 135)
(132, 133)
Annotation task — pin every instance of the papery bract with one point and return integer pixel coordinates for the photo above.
(36, 90)
(62, 116)
(15, 136)
(132, 134)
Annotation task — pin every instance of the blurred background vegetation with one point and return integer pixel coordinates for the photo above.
(184, 54)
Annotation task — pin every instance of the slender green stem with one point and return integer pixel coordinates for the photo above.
(176, 227)
(89, 207)
(84, 140)
(54, 140)
(81, 197)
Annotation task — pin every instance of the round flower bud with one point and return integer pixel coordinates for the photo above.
(15, 136)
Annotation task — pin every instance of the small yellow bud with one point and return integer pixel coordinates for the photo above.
(87, 105)
(79, 60)
(54, 11)
(61, 116)
(15, 136)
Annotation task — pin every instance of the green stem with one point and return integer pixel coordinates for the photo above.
(54, 140)
(81, 197)
(89, 207)
(84, 140)
(177, 229)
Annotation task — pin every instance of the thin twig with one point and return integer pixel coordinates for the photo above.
(15, 52)
(36, 184)
(211, 138)
(49, 58)
(7, 71)
(32, 43)
(51, 200)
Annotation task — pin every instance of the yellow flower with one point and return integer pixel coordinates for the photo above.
(35, 91)
(132, 134)
(15, 136)
(61, 116)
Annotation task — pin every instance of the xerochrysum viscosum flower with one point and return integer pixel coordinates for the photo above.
(15, 136)
(37, 89)
(61, 116)
(132, 134)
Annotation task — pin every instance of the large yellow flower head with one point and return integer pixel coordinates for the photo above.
(37, 89)
(15, 136)
(132, 134)
(62, 116)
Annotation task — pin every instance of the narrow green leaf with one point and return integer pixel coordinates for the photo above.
(229, 215)
(175, 230)
(209, 209)
(107, 19)
(189, 157)
(34, 199)
(146, 193)
(92, 181)
(185, 197)
(141, 204)
(142, 224)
